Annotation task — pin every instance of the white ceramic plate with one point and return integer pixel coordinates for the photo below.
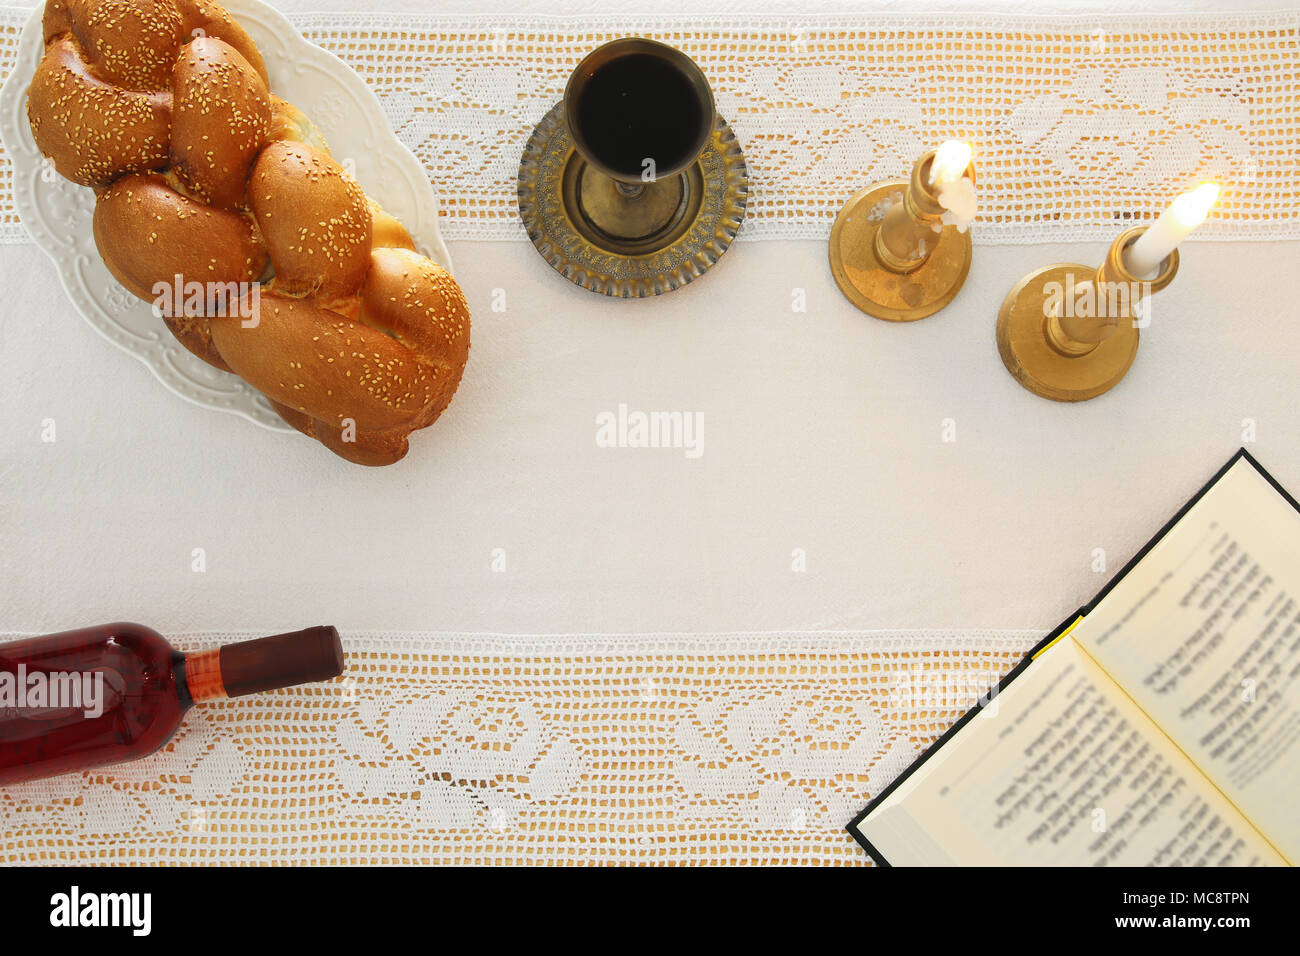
(58, 213)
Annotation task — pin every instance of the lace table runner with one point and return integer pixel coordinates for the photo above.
(1080, 122)
(445, 748)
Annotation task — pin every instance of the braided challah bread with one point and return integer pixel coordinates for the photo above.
(203, 176)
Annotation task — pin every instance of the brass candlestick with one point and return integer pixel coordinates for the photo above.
(1068, 332)
(633, 185)
(890, 253)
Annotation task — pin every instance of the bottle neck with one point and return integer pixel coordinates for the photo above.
(268, 663)
(201, 673)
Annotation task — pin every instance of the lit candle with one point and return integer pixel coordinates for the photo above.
(1184, 214)
(953, 190)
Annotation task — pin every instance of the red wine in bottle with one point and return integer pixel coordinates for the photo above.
(102, 695)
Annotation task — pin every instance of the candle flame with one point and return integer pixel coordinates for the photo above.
(950, 163)
(1193, 206)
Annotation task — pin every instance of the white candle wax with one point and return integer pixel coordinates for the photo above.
(952, 189)
(1184, 214)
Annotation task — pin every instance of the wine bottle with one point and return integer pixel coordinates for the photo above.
(103, 695)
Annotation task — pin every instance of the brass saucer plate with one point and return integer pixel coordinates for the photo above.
(893, 296)
(631, 248)
(1023, 343)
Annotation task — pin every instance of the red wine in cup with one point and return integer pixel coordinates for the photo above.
(638, 107)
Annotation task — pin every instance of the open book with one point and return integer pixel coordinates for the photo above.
(1160, 725)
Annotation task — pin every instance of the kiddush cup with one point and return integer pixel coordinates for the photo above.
(638, 111)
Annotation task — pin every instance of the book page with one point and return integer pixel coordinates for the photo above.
(1061, 768)
(1204, 634)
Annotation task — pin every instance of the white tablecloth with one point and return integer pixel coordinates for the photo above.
(823, 431)
(823, 437)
